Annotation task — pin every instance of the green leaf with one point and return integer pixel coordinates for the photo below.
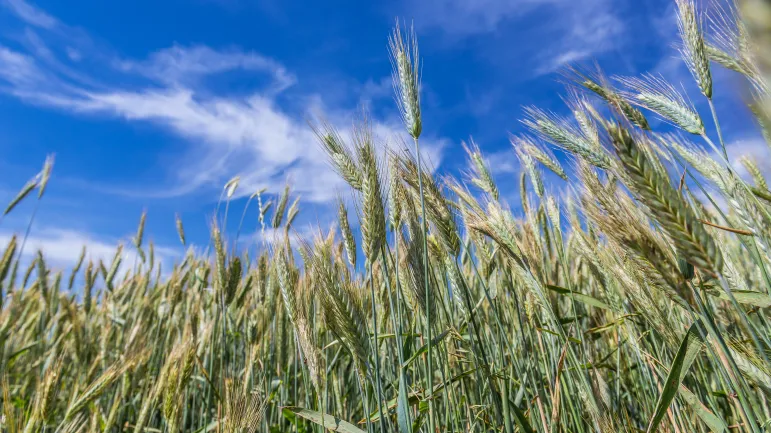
(424, 348)
(402, 407)
(22, 351)
(712, 421)
(521, 419)
(580, 297)
(556, 334)
(419, 421)
(610, 325)
(207, 428)
(327, 421)
(756, 299)
(686, 354)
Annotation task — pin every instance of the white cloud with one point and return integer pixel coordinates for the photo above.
(465, 18)
(503, 162)
(31, 14)
(16, 68)
(592, 29)
(374, 90)
(756, 149)
(298, 235)
(179, 64)
(62, 247)
(576, 29)
(250, 134)
(251, 137)
(74, 54)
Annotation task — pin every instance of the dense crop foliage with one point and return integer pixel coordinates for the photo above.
(635, 301)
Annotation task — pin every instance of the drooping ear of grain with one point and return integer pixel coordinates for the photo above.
(560, 133)
(539, 154)
(655, 94)
(338, 154)
(25, 190)
(676, 217)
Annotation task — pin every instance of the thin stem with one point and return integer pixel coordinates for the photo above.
(717, 128)
(728, 229)
(397, 321)
(376, 349)
(424, 228)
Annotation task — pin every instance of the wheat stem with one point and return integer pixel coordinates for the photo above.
(717, 128)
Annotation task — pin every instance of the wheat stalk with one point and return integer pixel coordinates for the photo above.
(655, 94)
(406, 78)
(694, 50)
(691, 239)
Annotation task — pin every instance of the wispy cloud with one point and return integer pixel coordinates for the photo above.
(16, 68)
(62, 247)
(754, 148)
(183, 65)
(503, 162)
(589, 29)
(271, 237)
(465, 18)
(252, 133)
(31, 14)
(572, 30)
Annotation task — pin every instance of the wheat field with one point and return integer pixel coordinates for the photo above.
(633, 301)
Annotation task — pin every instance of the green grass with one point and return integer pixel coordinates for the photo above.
(634, 301)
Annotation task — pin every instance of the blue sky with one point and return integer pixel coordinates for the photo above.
(156, 104)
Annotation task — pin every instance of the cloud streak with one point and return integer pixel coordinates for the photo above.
(62, 248)
(252, 134)
(567, 30)
(31, 14)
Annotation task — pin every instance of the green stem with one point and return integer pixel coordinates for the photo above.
(717, 128)
(397, 321)
(376, 349)
(429, 362)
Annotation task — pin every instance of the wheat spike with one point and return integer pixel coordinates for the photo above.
(345, 229)
(278, 214)
(539, 154)
(754, 171)
(694, 50)
(560, 133)
(655, 94)
(406, 78)
(99, 385)
(482, 176)
(45, 175)
(25, 190)
(372, 210)
(531, 170)
(597, 83)
(339, 154)
(691, 239)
